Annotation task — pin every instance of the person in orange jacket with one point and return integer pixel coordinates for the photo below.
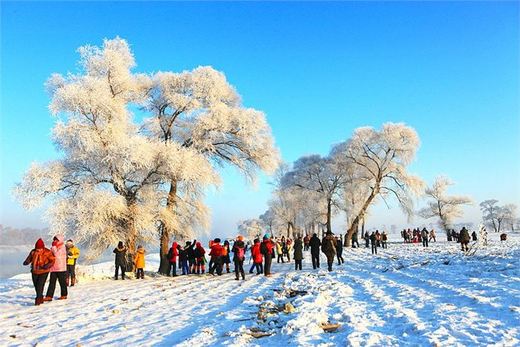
(225, 255)
(139, 262)
(41, 260)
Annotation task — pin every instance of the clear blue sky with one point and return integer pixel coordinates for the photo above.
(318, 70)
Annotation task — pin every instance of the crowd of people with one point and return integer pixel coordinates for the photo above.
(60, 260)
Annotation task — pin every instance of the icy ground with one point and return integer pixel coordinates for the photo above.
(406, 295)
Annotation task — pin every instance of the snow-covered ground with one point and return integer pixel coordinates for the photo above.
(406, 295)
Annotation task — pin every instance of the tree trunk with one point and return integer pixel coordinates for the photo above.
(131, 235)
(329, 214)
(361, 214)
(164, 265)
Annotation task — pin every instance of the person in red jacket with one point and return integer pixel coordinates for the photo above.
(267, 249)
(173, 253)
(257, 258)
(200, 259)
(216, 257)
(41, 260)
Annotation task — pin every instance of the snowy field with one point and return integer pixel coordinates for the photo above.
(406, 295)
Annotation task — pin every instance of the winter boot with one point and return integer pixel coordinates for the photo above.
(47, 298)
(36, 302)
(243, 276)
(62, 297)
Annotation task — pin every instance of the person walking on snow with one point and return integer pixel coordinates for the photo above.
(190, 253)
(72, 257)
(339, 250)
(373, 242)
(216, 257)
(200, 259)
(239, 255)
(432, 236)
(298, 253)
(267, 249)
(384, 239)
(173, 253)
(464, 239)
(328, 247)
(367, 239)
(355, 243)
(306, 241)
(120, 259)
(425, 237)
(474, 236)
(139, 262)
(257, 258)
(41, 260)
(288, 248)
(58, 269)
(225, 255)
(279, 251)
(315, 244)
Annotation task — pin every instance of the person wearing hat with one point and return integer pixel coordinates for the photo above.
(41, 260)
(72, 257)
(120, 259)
(239, 251)
(328, 247)
(267, 249)
(58, 269)
(216, 257)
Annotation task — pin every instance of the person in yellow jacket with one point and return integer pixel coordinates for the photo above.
(139, 262)
(72, 257)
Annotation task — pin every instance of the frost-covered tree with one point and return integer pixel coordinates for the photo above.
(201, 111)
(379, 160)
(251, 228)
(492, 214)
(441, 205)
(510, 216)
(268, 220)
(109, 183)
(321, 176)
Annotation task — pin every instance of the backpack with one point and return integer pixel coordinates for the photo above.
(240, 253)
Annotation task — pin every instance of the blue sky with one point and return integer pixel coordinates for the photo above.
(318, 70)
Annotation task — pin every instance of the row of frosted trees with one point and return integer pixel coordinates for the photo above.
(372, 166)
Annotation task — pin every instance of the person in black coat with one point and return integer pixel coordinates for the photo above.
(239, 255)
(367, 239)
(339, 250)
(355, 242)
(120, 259)
(298, 253)
(373, 242)
(315, 244)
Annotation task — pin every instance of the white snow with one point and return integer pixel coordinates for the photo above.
(406, 295)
